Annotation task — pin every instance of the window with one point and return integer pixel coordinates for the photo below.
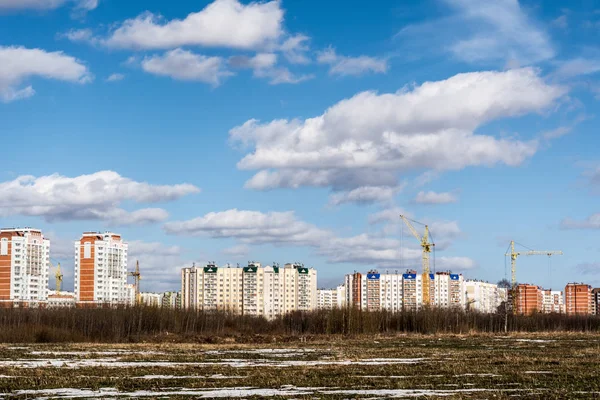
(4, 247)
(87, 250)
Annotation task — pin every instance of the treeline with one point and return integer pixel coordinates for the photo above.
(159, 324)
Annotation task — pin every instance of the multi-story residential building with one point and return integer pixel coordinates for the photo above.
(329, 299)
(484, 297)
(447, 290)
(391, 291)
(578, 299)
(552, 301)
(412, 290)
(356, 295)
(596, 301)
(171, 300)
(151, 299)
(528, 299)
(100, 269)
(251, 290)
(24, 267)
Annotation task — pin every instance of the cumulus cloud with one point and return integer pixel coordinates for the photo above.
(484, 32)
(223, 23)
(87, 197)
(115, 77)
(295, 48)
(591, 222)
(435, 198)
(343, 65)
(17, 64)
(185, 65)
(365, 195)
(46, 4)
(264, 65)
(381, 135)
(251, 227)
(285, 229)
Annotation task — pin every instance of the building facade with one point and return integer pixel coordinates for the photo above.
(578, 299)
(596, 301)
(328, 299)
(24, 268)
(101, 269)
(484, 297)
(553, 302)
(61, 299)
(252, 290)
(528, 299)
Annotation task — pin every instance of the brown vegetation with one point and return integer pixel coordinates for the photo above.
(155, 324)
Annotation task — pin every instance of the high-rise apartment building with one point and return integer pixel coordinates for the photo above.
(578, 299)
(328, 299)
(100, 269)
(394, 292)
(596, 301)
(251, 290)
(528, 299)
(484, 297)
(553, 302)
(24, 267)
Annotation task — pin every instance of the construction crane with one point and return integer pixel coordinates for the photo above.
(515, 254)
(58, 275)
(427, 247)
(136, 280)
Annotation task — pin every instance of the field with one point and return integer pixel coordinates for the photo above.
(544, 366)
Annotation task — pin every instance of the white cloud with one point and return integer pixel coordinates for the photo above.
(483, 32)
(591, 222)
(556, 133)
(561, 22)
(79, 35)
(115, 77)
(343, 65)
(365, 195)
(577, 66)
(185, 65)
(264, 65)
(87, 197)
(295, 48)
(238, 251)
(370, 138)
(251, 227)
(456, 264)
(17, 64)
(388, 215)
(46, 4)
(435, 198)
(223, 23)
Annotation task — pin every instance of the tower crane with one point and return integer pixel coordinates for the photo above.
(427, 246)
(136, 280)
(58, 276)
(515, 254)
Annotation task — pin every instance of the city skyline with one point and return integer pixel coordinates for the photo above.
(281, 134)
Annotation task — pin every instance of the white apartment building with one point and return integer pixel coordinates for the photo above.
(251, 290)
(328, 299)
(396, 292)
(24, 267)
(553, 302)
(484, 297)
(151, 299)
(101, 269)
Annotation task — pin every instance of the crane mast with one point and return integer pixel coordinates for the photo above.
(427, 246)
(515, 254)
(58, 276)
(136, 279)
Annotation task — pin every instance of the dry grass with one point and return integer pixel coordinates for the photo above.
(544, 366)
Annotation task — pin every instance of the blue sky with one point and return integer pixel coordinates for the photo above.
(288, 131)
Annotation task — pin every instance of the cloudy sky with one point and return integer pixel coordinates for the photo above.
(283, 131)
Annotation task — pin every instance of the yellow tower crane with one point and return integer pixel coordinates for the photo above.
(515, 254)
(427, 246)
(58, 276)
(136, 279)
